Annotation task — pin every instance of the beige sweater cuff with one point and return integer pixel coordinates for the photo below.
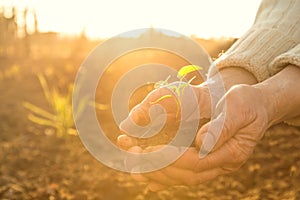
(255, 50)
(291, 57)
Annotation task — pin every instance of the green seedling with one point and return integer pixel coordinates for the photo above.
(180, 75)
(169, 130)
(61, 117)
(182, 84)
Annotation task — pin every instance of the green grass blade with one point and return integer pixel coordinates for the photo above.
(45, 88)
(41, 121)
(39, 111)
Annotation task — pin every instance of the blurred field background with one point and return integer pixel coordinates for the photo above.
(44, 160)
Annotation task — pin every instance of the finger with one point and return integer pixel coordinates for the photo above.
(125, 142)
(181, 176)
(157, 176)
(204, 101)
(160, 177)
(189, 177)
(209, 175)
(140, 116)
(135, 170)
(215, 133)
(140, 113)
(153, 148)
(135, 149)
(191, 160)
(139, 177)
(188, 159)
(155, 187)
(131, 161)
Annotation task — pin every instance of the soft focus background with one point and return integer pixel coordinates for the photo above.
(42, 45)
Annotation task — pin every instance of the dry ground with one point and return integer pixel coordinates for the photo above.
(35, 164)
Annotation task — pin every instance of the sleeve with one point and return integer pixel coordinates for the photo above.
(291, 57)
(271, 41)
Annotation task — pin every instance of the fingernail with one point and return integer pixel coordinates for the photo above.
(207, 144)
(203, 153)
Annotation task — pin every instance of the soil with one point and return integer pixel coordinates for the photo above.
(36, 164)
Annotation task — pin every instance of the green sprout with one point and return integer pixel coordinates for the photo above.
(181, 86)
(61, 117)
(186, 70)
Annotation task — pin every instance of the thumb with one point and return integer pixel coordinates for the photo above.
(214, 134)
(140, 114)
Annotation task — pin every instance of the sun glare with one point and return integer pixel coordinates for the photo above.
(106, 18)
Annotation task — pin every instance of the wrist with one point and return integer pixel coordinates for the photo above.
(236, 75)
(210, 92)
(280, 96)
(265, 92)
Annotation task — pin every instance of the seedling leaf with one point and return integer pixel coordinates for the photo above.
(187, 69)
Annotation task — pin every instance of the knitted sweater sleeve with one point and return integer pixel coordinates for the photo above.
(270, 44)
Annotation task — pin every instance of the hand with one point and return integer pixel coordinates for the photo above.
(140, 114)
(245, 121)
(166, 98)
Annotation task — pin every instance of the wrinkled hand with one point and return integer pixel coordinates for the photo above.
(166, 98)
(245, 121)
(208, 94)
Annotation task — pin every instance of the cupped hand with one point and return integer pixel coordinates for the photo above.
(207, 94)
(243, 119)
(166, 98)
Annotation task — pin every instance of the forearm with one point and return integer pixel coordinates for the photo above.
(282, 95)
(236, 75)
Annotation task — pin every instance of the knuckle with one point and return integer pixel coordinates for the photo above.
(202, 164)
(238, 154)
(236, 92)
(239, 158)
(198, 165)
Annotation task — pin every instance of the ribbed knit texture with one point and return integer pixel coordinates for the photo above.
(290, 57)
(271, 43)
